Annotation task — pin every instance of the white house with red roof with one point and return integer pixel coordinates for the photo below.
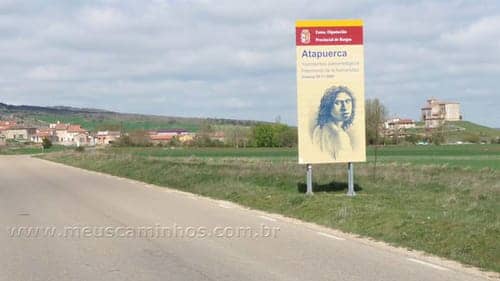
(70, 134)
(44, 133)
(399, 123)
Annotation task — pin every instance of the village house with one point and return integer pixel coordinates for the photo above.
(165, 136)
(44, 133)
(106, 137)
(436, 112)
(71, 134)
(5, 125)
(399, 123)
(19, 133)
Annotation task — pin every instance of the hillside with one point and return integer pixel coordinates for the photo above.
(465, 131)
(460, 131)
(97, 119)
(474, 128)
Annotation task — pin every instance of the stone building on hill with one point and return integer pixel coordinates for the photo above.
(436, 112)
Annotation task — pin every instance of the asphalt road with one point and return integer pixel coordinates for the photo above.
(107, 228)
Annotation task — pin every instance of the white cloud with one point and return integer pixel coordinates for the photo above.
(236, 59)
(99, 19)
(480, 35)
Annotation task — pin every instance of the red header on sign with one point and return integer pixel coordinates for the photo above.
(349, 35)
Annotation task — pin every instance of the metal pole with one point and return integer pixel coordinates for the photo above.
(309, 180)
(350, 180)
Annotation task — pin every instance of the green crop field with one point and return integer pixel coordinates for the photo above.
(473, 156)
(465, 156)
(430, 198)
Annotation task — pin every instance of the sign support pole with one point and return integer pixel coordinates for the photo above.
(309, 180)
(350, 180)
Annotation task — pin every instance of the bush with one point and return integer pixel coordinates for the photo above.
(413, 139)
(123, 141)
(472, 138)
(46, 143)
(137, 138)
(274, 135)
(80, 149)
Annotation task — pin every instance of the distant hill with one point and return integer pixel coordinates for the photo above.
(7, 108)
(98, 119)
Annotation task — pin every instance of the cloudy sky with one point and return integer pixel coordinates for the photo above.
(236, 59)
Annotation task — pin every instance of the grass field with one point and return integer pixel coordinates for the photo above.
(473, 156)
(464, 156)
(427, 198)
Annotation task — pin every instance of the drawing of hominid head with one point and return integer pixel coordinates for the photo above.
(337, 106)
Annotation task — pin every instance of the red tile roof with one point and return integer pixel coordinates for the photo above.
(61, 126)
(76, 129)
(161, 137)
(406, 121)
(5, 125)
(45, 133)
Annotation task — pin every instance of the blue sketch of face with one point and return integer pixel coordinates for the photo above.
(342, 107)
(337, 106)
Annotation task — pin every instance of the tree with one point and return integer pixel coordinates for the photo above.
(375, 115)
(412, 138)
(263, 135)
(46, 143)
(136, 138)
(140, 138)
(274, 135)
(290, 137)
(124, 140)
(202, 138)
(237, 136)
(437, 135)
(395, 135)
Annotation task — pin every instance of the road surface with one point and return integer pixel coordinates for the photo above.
(64, 223)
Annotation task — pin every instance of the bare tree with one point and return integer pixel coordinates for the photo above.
(376, 114)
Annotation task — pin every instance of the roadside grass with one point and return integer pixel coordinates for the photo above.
(29, 149)
(453, 212)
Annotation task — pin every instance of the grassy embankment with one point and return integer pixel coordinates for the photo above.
(29, 149)
(442, 200)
